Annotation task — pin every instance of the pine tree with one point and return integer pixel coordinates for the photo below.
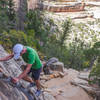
(3, 4)
(7, 15)
(11, 14)
(3, 15)
(11, 11)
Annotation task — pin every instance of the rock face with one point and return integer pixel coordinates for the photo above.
(21, 6)
(73, 0)
(62, 89)
(67, 0)
(82, 82)
(64, 8)
(10, 91)
(10, 67)
(32, 4)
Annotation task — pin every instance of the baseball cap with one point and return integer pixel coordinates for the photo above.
(17, 49)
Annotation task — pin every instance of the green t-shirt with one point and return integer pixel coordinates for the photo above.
(31, 57)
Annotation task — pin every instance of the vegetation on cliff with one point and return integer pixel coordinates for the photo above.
(77, 45)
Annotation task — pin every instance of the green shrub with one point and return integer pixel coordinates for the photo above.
(95, 74)
(8, 39)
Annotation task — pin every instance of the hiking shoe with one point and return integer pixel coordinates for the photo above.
(17, 84)
(38, 92)
(31, 85)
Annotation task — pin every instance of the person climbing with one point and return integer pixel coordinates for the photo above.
(33, 66)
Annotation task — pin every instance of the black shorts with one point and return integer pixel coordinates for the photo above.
(35, 73)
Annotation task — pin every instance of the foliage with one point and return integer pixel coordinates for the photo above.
(95, 73)
(10, 10)
(3, 15)
(8, 39)
(65, 33)
(72, 45)
(93, 53)
(35, 20)
(11, 14)
(56, 46)
(76, 57)
(7, 15)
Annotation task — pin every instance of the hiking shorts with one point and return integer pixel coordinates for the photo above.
(34, 73)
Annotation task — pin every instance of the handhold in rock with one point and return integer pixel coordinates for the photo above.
(7, 79)
(1, 75)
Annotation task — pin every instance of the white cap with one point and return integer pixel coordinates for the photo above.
(17, 49)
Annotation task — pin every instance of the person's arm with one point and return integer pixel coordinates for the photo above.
(7, 57)
(31, 60)
(23, 74)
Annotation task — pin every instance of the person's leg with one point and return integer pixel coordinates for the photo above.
(36, 76)
(38, 84)
(29, 79)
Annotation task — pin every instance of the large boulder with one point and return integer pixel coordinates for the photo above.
(51, 60)
(57, 66)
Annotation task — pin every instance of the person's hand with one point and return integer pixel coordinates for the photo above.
(1, 60)
(1, 70)
(15, 79)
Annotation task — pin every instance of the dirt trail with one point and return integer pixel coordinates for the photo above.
(61, 88)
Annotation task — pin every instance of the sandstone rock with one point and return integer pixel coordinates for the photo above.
(84, 76)
(80, 81)
(90, 90)
(9, 67)
(58, 66)
(7, 91)
(64, 8)
(20, 62)
(53, 64)
(61, 74)
(32, 4)
(48, 96)
(51, 60)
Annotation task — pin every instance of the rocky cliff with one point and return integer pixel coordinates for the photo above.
(31, 4)
(57, 88)
(11, 91)
(21, 7)
(10, 68)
